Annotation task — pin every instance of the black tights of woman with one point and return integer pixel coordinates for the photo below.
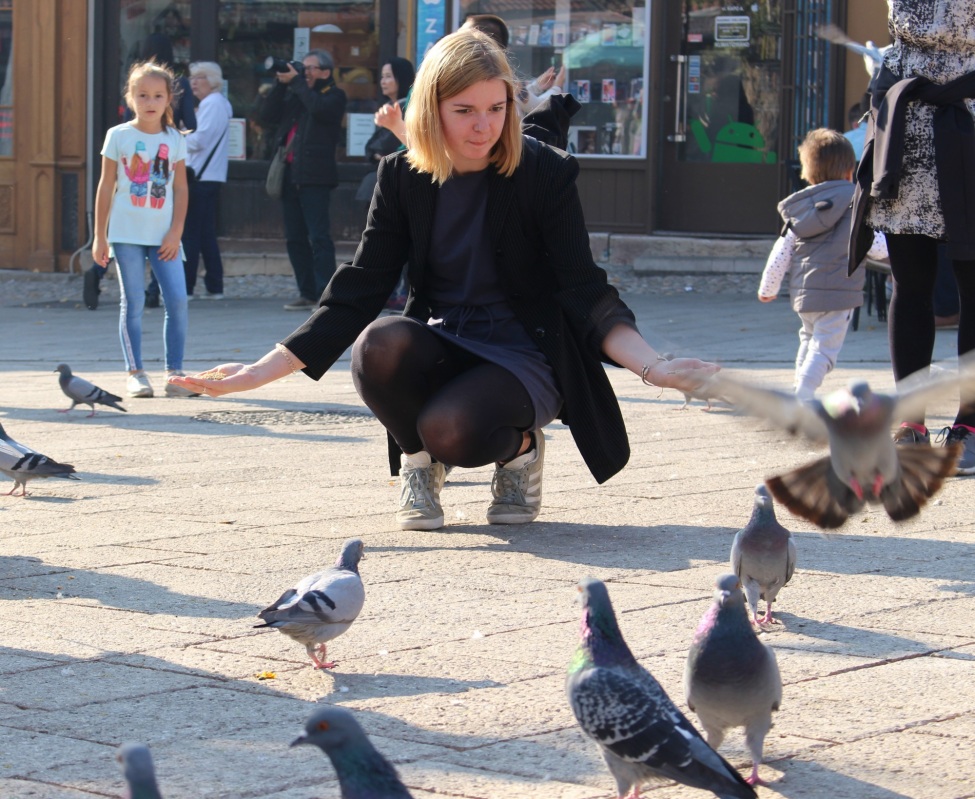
(435, 396)
(914, 266)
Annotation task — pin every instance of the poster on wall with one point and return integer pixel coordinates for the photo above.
(431, 18)
(359, 128)
(237, 139)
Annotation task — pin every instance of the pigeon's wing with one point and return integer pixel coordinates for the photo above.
(916, 392)
(14, 446)
(736, 554)
(923, 470)
(335, 599)
(23, 461)
(790, 559)
(643, 726)
(779, 407)
(814, 492)
(80, 389)
(10, 456)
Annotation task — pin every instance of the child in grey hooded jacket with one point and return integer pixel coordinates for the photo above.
(813, 252)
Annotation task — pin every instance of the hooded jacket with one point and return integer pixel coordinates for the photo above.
(820, 217)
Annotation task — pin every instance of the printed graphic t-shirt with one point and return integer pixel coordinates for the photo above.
(142, 209)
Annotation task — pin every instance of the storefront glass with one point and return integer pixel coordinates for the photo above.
(6, 79)
(249, 32)
(603, 47)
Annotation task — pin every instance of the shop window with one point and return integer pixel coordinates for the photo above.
(156, 28)
(252, 31)
(603, 47)
(6, 79)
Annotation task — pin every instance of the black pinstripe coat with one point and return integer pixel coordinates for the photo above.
(541, 247)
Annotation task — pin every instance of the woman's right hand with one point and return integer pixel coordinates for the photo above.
(224, 379)
(390, 116)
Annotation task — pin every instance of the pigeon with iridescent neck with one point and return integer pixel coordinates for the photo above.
(641, 734)
(731, 679)
(763, 555)
(362, 771)
(864, 465)
(321, 606)
(81, 392)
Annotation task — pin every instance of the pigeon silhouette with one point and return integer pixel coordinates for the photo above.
(81, 392)
(763, 555)
(863, 465)
(23, 464)
(138, 771)
(322, 606)
(731, 679)
(640, 732)
(362, 771)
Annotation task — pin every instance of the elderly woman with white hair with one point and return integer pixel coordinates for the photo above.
(207, 153)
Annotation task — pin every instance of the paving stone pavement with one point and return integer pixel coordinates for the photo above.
(128, 598)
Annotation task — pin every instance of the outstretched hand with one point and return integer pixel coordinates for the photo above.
(684, 374)
(224, 379)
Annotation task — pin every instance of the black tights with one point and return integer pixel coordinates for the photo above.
(914, 265)
(435, 396)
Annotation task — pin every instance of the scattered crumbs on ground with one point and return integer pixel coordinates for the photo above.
(20, 289)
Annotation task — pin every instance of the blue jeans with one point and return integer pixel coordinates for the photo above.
(131, 264)
(200, 237)
(308, 230)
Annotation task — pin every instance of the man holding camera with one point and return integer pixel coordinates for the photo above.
(308, 107)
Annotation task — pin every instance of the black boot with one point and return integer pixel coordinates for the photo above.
(152, 300)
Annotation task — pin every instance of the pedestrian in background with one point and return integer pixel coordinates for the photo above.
(207, 149)
(812, 252)
(308, 111)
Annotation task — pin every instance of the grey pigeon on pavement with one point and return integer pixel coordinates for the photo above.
(322, 606)
(363, 772)
(731, 679)
(23, 464)
(81, 392)
(640, 732)
(138, 771)
(763, 555)
(863, 465)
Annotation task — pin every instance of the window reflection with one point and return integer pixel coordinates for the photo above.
(249, 32)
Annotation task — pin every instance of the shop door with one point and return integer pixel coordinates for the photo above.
(721, 115)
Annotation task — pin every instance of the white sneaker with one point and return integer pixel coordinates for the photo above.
(517, 487)
(421, 481)
(178, 391)
(208, 296)
(138, 384)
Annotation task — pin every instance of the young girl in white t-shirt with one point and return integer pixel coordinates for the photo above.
(139, 213)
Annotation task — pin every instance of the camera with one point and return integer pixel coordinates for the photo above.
(275, 64)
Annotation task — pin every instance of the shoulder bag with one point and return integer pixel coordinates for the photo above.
(274, 184)
(191, 174)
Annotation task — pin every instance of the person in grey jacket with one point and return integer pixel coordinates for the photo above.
(813, 252)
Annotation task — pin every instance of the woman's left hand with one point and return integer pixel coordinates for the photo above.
(684, 374)
(390, 116)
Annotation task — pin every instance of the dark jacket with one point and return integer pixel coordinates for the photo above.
(820, 218)
(954, 152)
(546, 269)
(318, 112)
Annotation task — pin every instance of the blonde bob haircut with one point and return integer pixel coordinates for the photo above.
(452, 65)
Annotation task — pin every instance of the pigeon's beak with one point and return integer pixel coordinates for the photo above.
(301, 739)
(723, 597)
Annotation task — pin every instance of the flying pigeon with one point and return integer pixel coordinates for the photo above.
(81, 392)
(731, 678)
(23, 464)
(864, 464)
(322, 606)
(138, 771)
(873, 56)
(763, 555)
(363, 772)
(640, 732)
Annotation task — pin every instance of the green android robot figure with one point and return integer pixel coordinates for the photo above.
(735, 143)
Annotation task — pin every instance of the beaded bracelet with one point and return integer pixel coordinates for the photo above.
(287, 356)
(647, 367)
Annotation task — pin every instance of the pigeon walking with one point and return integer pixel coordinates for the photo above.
(863, 465)
(362, 771)
(23, 464)
(640, 732)
(81, 392)
(138, 771)
(322, 606)
(763, 555)
(731, 679)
